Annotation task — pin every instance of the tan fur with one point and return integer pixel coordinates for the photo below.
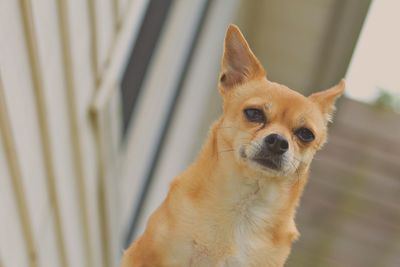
(225, 210)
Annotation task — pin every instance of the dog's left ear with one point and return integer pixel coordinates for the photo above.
(326, 99)
(239, 64)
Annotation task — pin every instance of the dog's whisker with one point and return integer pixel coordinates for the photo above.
(232, 149)
(228, 150)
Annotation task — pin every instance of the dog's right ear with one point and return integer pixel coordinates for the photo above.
(239, 64)
(326, 99)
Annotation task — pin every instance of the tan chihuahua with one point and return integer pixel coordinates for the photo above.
(235, 205)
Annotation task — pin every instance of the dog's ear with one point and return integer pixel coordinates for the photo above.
(326, 99)
(239, 64)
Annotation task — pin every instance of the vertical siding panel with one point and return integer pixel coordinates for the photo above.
(107, 137)
(102, 29)
(116, 16)
(68, 178)
(12, 240)
(16, 243)
(17, 81)
(107, 120)
(48, 241)
(31, 42)
(124, 7)
(93, 40)
(113, 141)
(104, 207)
(105, 32)
(80, 97)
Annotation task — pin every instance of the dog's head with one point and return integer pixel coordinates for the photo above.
(269, 127)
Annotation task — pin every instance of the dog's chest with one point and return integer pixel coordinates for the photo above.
(253, 215)
(250, 215)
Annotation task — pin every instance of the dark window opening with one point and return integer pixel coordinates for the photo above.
(154, 19)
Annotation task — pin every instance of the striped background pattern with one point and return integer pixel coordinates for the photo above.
(60, 67)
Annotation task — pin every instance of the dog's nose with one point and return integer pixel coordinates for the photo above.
(276, 143)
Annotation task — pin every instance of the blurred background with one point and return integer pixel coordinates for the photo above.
(103, 102)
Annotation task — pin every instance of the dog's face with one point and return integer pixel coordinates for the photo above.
(269, 127)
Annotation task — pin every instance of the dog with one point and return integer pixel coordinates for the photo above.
(235, 204)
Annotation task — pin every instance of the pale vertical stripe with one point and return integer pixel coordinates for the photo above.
(15, 173)
(127, 7)
(130, 26)
(73, 120)
(103, 27)
(100, 109)
(109, 143)
(104, 225)
(120, 21)
(93, 39)
(31, 42)
(116, 16)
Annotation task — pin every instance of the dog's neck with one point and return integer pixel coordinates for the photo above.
(236, 188)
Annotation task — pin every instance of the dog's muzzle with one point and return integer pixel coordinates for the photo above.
(272, 151)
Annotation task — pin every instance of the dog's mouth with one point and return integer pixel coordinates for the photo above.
(268, 162)
(265, 160)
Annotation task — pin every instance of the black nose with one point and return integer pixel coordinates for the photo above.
(276, 143)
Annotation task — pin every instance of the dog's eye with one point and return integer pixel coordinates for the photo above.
(304, 134)
(254, 115)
